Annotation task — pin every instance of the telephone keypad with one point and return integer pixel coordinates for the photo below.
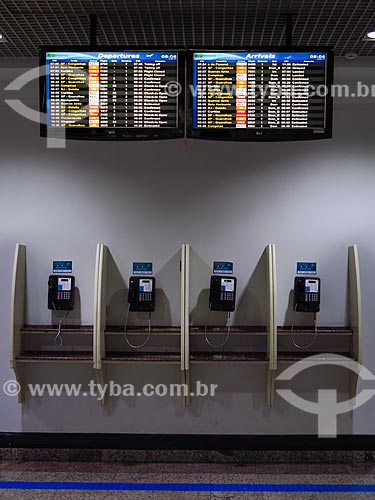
(145, 297)
(227, 296)
(63, 295)
(311, 297)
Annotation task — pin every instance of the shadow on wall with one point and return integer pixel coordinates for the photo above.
(162, 315)
(117, 294)
(201, 315)
(200, 275)
(252, 305)
(117, 290)
(74, 316)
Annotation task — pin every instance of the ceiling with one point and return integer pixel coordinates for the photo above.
(27, 24)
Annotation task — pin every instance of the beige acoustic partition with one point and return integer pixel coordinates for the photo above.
(103, 332)
(100, 316)
(272, 322)
(268, 330)
(19, 352)
(17, 319)
(185, 314)
(351, 334)
(355, 312)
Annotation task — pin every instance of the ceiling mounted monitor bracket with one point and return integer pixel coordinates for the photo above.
(289, 29)
(93, 29)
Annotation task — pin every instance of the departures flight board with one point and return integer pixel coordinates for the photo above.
(110, 90)
(260, 90)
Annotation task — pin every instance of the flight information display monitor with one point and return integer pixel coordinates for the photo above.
(260, 94)
(113, 94)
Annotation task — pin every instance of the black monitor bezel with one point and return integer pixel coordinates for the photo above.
(257, 135)
(112, 134)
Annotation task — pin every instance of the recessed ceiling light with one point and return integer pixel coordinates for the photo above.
(370, 35)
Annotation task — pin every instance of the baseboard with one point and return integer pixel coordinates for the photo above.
(193, 442)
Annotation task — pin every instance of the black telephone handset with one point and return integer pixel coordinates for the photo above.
(141, 296)
(306, 294)
(61, 293)
(223, 293)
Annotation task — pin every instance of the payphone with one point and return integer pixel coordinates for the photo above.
(61, 298)
(307, 300)
(141, 298)
(222, 298)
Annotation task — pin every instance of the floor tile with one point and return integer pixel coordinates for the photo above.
(27, 495)
(13, 495)
(229, 495)
(33, 476)
(301, 469)
(85, 467)
(304, 479)
(149, 478)
(315, 496)
(138, 477)
(184, 495)
(186, 478)
(234, 479)
(124, 477)
(366, 468)
(232, 468)
(140, 468)
(363, 479)
(40, 495)
(188, 468)
(237, 469)
(79, 495)
(91, 477)
(134, 495)
(184, 473)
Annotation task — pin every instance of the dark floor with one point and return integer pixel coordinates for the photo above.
(358, 474)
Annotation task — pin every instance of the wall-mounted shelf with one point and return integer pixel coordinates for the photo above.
(235, 331)
(48, 356)
(292, 357)
(228, 357)
(321, 331)
(136, 331)
(49, 330)
(142, 357)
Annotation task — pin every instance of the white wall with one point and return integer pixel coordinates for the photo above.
(313, 199)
